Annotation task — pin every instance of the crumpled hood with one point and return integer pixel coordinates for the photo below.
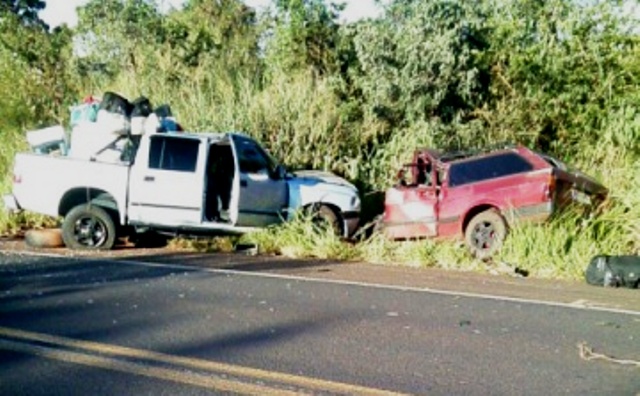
(315, 176)
(313, 187)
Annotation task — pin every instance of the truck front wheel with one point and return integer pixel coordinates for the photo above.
(485, 234)
(88, 227)
(325, 217)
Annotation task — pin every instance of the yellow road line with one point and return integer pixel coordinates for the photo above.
(202, 381)
(257, 374)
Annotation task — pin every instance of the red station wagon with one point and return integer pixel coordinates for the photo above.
(477, 195)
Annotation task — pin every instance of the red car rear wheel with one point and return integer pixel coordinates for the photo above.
(485, 233)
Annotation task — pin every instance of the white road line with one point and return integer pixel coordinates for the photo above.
(580, 304)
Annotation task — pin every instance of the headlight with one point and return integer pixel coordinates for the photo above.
(355, 202)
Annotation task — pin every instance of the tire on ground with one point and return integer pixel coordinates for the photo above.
(324, 216)
(485, 234)
(47, 238)
(88, 227)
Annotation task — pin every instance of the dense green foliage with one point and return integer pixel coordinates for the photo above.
(25, 10)
(560, 76)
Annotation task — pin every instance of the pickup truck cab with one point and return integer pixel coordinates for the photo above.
(178, 183)
(477, 195)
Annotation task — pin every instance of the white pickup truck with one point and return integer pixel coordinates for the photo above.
(178, 183)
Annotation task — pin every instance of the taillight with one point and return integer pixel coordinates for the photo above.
(17, 178)
(551, 186)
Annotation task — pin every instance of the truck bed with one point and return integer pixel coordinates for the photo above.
(58, 175)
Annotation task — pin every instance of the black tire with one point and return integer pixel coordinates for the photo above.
(324, 216)
(88, 227)
(485, 234)
(50, 238)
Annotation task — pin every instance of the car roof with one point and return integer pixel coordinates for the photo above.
(214, 136)
(462, 155)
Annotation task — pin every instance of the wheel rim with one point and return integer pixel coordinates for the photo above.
(89, 231)
(484, 235)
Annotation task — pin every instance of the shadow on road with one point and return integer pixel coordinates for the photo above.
(177, 311)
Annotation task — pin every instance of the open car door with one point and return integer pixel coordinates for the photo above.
(411, 209)
(261, 195)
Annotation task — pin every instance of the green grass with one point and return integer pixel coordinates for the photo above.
(301, 238)
(16, 224)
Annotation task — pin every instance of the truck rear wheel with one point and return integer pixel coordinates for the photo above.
(88, 227)
(485, 234)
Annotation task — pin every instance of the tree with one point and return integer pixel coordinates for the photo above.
(27, 43)
(423, 60)
(305, 34)
(113, 34)
(223, 31)
(26, 10)
(561, 70)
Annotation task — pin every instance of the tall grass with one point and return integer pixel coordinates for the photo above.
(17, 103)
(562, 247)
(302, 238)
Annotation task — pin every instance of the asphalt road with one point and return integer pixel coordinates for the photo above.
(236, 325)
